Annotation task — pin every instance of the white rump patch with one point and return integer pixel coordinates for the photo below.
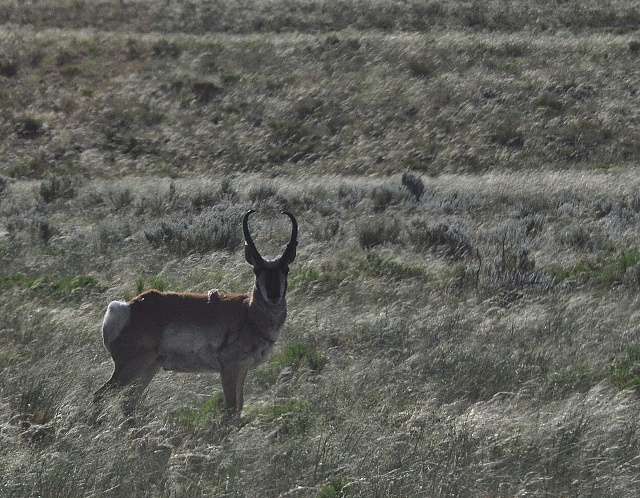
(115, 319)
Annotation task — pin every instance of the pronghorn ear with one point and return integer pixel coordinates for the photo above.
(290, 252)
(252, 257)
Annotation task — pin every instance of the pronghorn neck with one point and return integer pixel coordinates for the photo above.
(267, 317)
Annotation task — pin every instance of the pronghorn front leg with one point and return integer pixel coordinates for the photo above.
(233, 375)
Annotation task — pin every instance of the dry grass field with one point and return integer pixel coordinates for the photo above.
(464, 313)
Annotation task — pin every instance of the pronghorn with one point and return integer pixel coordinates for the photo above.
(213, 332)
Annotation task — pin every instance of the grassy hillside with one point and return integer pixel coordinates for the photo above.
(462, 311)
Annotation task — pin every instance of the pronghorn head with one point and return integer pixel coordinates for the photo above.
(271, 276)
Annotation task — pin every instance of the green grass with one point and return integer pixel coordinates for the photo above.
(625, 372)
(604, 270)
(293, 356)
(72, 287)
(190, 418)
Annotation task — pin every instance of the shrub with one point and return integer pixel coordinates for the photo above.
(120, 198)
(549, 103)
(215, 228)
(205, 197)
(36, 406)
(413, 184)
(261, 193)
(293, 140)
(110, 232)
(420, 67)
(29, 127)
(296, 355)
(165, 48)
(57, 187)
(43, 228)
(4, 182)
(377, 232)
(508, 133)
(206, 91)
(8, 67)
(442, 238)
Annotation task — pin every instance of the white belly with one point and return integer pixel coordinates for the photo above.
(190, 348)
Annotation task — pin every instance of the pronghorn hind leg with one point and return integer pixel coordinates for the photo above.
(137, 388)
(128, 371)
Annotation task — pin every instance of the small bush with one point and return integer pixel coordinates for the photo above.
(230, 78)
(206, 91)
(293, 140)
(36, 406)
(377, 232)
(4, 182)
(549, 103)
(508, 133)
(261, 193)
(215, 228)
(33, 167)
(8, 67)
(165, 48)
(203, 198)
(605, 270)
(382, 196)
(110, 232)
(413, 184)
(120, 198)
(29, 127)
(421, 67)
(579, 237)
(56, 187)
(297, 355)
(442, 238)
(43, 228)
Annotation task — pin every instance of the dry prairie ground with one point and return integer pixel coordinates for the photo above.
(463, 306)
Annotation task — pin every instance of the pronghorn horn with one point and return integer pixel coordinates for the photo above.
(290, 252)
(251, 254)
